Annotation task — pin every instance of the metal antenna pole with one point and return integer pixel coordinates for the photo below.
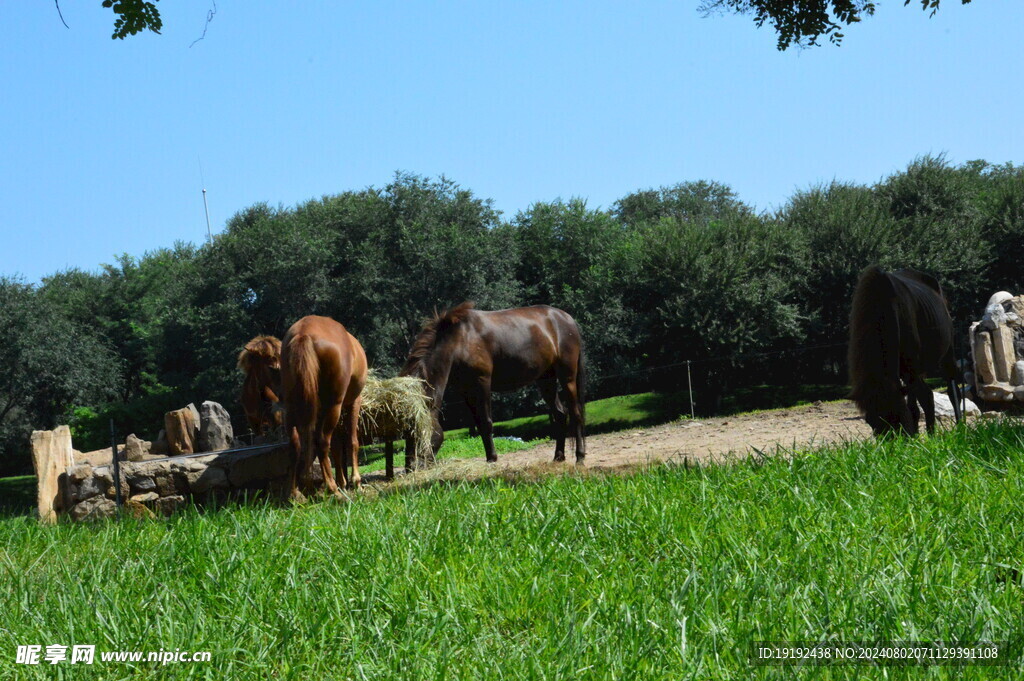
(206, 207)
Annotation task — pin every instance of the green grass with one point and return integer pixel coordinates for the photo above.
(575, 576)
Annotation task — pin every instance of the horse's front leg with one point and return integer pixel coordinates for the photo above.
(479, 401)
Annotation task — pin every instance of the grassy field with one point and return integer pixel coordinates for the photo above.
(667, 573)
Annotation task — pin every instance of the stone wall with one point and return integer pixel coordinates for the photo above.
(997, 350)
(160, 486)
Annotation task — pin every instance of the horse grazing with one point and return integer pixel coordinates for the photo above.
(323, 371)
(900, 330)
(260, 361)
(478, 352)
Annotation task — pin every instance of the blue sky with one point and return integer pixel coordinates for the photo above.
(519, 101)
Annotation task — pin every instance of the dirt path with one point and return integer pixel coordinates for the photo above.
(700, 441)
(705, 439)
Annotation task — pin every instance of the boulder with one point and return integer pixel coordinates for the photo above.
(209, 478)
(51, 457)
(169, 504)
(996, 392)
(998, 298)
(136, 509)
(135, 449)
(983, 362)
(215, 432)
(944, 407)
(182, 426)
(95, 508)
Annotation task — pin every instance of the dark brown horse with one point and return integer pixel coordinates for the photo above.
(260, 361)
(476, 352)
(323, 371)
(900, 330)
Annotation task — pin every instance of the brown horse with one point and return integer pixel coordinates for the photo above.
(900, 330)
(260, 361)
(323, 371)
(478, 352)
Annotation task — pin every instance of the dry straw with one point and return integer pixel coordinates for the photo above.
(393, 407)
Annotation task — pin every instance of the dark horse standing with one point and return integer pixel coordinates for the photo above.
(476, 352)
(900, 330)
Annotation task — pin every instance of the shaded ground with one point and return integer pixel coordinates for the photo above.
(690, 441)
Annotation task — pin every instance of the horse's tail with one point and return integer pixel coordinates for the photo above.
(873, 354)
(304, 367)
(581, 386)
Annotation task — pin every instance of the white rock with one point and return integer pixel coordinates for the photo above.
(944, 407)
(998, 298)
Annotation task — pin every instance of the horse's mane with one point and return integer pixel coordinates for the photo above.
(867, 351)
(432, 331)
(264, 350)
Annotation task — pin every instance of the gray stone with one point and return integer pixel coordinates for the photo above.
(259, 467)
(1018, 373)
(1018, 393)
(996, 392)
(141, 483)
(209, 478)
(95, 508)
(944, 407)
(215, 432)
(145, 497)
(169, 504)
(994, 317)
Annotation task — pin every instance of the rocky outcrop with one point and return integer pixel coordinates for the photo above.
(997, 350)
(182, 430)
(215, 432)
(51, 457)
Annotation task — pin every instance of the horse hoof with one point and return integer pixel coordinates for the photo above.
(580, 461)
(356, 483)
(492, 459)
(559, 457)
(297, 497)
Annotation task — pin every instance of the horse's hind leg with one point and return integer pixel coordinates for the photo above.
(329, 448)
(549, 391)
(923, 393)
(576, 420)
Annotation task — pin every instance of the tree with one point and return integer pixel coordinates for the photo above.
(802, 22)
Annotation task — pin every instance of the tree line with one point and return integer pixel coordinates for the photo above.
(685, 272)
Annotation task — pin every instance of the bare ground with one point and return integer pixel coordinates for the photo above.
(685, 441)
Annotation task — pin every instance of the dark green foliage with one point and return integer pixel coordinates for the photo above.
(47, 364)
(803, 22)
(686, 272)
(134, 16)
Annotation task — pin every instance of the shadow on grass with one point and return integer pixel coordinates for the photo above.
(17, 496)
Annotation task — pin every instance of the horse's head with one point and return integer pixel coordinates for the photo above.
(889, 414)
(260, 361)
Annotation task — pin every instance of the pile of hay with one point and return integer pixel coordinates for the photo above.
(393, 407)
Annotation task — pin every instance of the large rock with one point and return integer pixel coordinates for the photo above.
(944, 406)
(215, 432)
(135, 449)
(95, 508)
(983, 364)
(996, 392)
(206, 479)
(182, 426)
(1003, 356)
(51, 457)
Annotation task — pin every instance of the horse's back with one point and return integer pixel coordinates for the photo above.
(340, 355)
